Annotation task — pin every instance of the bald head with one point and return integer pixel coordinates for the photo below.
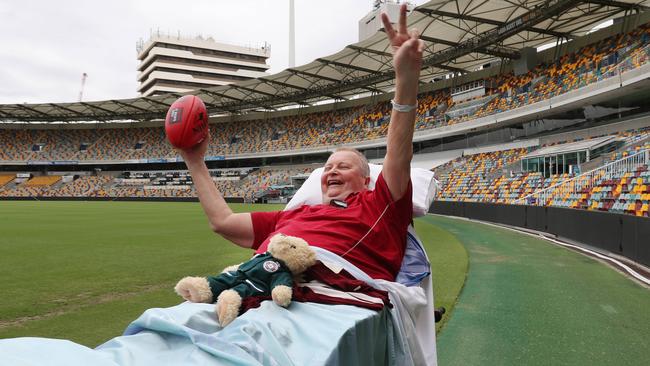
(363, 161)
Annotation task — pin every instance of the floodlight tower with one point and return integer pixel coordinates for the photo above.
(292, 34)
(83, 84)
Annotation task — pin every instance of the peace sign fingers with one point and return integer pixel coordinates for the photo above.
(390, 31)
(402, 19)
(396, 36)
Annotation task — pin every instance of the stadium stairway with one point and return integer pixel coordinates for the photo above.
(514, 167)
(57, 185)
(110, 184)
(10, 186)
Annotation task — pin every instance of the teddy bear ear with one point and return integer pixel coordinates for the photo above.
(292, 240)
(277, 238)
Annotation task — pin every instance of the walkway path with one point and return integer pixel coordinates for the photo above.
(529, 302)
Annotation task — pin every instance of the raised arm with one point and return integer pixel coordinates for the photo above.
(407, 61)
(236, 227)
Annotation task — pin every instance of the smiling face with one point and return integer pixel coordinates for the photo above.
(343, 174)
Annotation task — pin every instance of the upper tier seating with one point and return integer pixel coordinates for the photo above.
(504, 92)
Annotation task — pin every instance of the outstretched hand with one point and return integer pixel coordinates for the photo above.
(196, 154)
(407, 47)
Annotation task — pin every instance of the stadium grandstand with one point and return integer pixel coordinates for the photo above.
(532, 114)
(522, 104)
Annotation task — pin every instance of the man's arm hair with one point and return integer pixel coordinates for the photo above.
(235, 227)
(407, 61)
(399, 145)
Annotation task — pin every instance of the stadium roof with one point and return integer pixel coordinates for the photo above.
(460, 35)
(572, 147)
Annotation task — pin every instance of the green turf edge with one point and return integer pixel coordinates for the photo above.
(449, 265)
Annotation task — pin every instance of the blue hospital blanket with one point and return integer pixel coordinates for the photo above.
(188, 334)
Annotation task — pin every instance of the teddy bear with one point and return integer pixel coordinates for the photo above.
(270, 273)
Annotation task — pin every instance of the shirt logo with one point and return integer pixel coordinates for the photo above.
(271, 266)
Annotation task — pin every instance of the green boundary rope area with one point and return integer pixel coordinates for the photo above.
(529, 302)
(448, 260)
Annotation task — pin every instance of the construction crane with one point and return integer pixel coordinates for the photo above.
(83, 83)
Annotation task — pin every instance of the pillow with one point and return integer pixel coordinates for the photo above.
(425, 187)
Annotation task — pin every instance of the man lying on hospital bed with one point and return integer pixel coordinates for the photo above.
(355, 227)
(366, 228)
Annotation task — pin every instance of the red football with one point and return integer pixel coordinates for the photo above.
(186, 124)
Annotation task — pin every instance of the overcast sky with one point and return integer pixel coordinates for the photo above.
(46, 45)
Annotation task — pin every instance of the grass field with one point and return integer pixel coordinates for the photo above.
(83, 270)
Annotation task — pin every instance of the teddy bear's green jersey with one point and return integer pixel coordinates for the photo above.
(255, 277)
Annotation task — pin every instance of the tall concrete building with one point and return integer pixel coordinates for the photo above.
(177, 64)
(371, 23)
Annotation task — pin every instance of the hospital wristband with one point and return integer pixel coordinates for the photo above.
(403, 107)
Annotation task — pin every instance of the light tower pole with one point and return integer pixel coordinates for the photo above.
(83, 83)
(292, 34)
